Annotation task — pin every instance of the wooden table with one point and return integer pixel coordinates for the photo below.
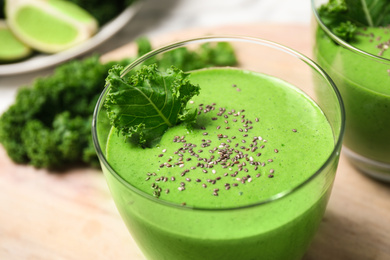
(70, 215)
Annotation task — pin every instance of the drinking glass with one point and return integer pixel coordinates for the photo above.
(278, 227)
(363, 80)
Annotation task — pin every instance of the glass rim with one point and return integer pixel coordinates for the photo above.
(217, 38)
(341, 41)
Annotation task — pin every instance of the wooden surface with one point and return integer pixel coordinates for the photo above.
(70, 215)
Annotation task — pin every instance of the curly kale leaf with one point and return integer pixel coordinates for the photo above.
(64, 141)
(334, 16)
(371, 13)
(345, 30)
(343, 16)
(333, 13)
(143, 106)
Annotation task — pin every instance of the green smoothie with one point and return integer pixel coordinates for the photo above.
(256, 139)
(352, 39)
(365, 87)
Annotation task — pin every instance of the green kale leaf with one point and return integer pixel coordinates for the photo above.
(64, 141)
(143, 106)
(343, 16)
(345, 30)
(368, 12)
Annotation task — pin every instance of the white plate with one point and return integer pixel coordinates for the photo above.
(41, 61)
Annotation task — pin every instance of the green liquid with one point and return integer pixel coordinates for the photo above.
(297, 140)
(365, 88)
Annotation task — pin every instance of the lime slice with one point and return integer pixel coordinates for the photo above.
(11, 48)
(49, 26)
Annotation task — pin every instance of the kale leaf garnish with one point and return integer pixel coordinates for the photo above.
(144, 105)
(342, 17)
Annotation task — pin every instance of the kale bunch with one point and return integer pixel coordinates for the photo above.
(49, 124)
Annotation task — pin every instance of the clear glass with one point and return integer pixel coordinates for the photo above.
(364, 83)
(165, 230)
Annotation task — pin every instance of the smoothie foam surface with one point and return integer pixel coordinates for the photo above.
(256, 137)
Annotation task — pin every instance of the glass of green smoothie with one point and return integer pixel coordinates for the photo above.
(352, 40)
(249, 178)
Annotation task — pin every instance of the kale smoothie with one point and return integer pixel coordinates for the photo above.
(365, 88)
(255, 139)
(357, 58)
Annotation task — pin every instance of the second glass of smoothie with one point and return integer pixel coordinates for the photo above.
(361, 70)
(251, 179)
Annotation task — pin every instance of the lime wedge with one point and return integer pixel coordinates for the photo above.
(49, 26)
(11, 48)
